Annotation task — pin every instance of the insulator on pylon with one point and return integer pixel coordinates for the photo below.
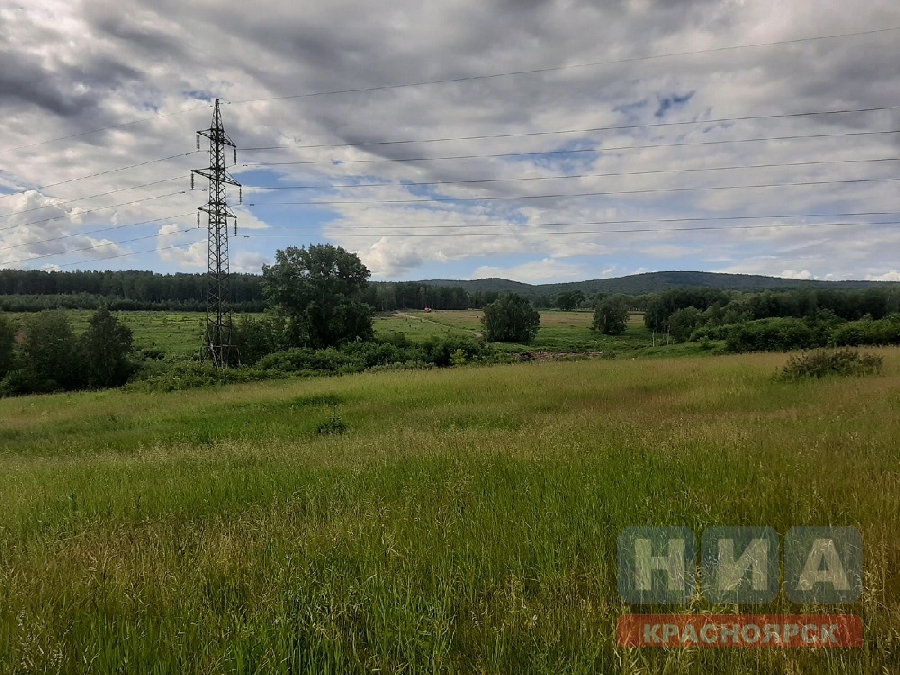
(240, 194)
(235, 154)
(192, 180)
(198, 141)
(198, 220)
(235, 227)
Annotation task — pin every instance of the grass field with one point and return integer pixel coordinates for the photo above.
(176, 333)
(559, 332)
(180, 333)
(464, 521)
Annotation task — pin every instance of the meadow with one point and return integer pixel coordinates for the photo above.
(430, 521)
(179, 334)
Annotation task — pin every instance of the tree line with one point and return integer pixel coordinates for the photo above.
(319, 307)
(761, 321)
(136, 290)
(319, 312)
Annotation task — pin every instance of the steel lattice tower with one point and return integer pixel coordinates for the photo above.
(218, 346)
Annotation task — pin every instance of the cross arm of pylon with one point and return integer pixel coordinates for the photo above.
(210, 174)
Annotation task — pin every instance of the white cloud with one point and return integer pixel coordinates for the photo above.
(536, 272)
(250, 261)
(74, 67)
(893, 275)
(793, 274)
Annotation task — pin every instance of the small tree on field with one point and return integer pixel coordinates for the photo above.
(106, 346)
(511, 318)
(611, 315)
(569, 300)
(50, 351)
(7, 342)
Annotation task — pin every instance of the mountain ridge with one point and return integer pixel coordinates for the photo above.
(654, 282)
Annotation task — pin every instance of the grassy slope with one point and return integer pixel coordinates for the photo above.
(466, 521)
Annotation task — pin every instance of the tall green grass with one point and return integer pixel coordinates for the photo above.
(465, 521)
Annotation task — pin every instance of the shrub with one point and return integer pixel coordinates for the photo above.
(771, 335)
(192, 374)
(333, 425)
(440, 350)
(51, 353)
(867, 332)
(831, 362)
(106, 347)
(611, 315)
(511, 318)
(305, 359)
(255, 338)
(683, 322)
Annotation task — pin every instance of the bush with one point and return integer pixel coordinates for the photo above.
(611, 315)
(683, 322)
(255, 338)
(21, 382)
(311, 360)
(190, 375)
(771, 335)
(333, 425)
(51, 353)
(867, 332)
(831, 362)
(441, 350)
(106, 347)
(511, 318)
(7, 342)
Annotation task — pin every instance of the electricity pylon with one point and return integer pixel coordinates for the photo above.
(218, 346)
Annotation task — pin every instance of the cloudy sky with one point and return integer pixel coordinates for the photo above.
(536, 140)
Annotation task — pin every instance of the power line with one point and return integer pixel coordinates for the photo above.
(99, 208)
(621, 231)
(100, 173)
(564, 176)
(96, 246)
(104, 229)
(581, 150)
(571, 66)
(427, 200)
(81, 199)
(106, 128)
(125, 255)
(470, 78)
(526, 134)
(630, 221)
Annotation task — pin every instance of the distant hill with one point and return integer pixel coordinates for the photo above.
(654, 282)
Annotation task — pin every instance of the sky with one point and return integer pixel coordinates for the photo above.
(536, 140)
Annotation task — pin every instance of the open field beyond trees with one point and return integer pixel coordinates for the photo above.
(456, 520)
(180, 334)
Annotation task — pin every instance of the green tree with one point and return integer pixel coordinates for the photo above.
(7, 343)
(317, 293)
(106, 346)
(683, 322)
(611, 315)
(569, 300)
(51, 353)
(510, 318)
(255, 338)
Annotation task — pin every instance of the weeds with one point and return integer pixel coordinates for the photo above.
(823, 363)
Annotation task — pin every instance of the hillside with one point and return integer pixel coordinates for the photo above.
(653, 282)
